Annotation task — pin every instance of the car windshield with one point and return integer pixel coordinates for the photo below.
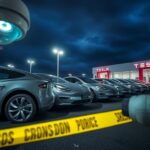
(109, 82)
(115, 81)
(88, 80)
(131, 81)
(51, 78)
(124, 81)
(57, 80)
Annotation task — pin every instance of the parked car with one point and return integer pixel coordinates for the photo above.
(99, 91)
(124, 91)
(22, 95)
(145, 87)
(67, 93)
(145, 83)
(135, 89)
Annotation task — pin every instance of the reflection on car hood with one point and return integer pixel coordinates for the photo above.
(108, 86)
(72, 86)
(93, 84)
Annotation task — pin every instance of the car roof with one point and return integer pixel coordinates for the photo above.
(76, 77)
(19, 71)
(46, 74)
(14, 69)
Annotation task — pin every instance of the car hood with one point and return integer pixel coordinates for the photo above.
(73, 87)
(109, 87)
(93, 84)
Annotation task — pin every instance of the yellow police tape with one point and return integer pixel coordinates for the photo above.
(61, 128)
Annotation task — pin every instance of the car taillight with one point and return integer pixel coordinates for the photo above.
(43, 85)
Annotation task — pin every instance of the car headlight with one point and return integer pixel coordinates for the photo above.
(97, 87)
(62, 88)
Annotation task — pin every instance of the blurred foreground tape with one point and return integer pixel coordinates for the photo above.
(61, 128)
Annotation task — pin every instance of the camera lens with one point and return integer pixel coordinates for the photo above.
(14, 21)
(9, 33)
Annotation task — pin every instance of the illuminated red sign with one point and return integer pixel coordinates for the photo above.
(142, 65)
(104, 69)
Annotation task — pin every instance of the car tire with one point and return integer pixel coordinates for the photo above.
(20, 108)
(93, 96)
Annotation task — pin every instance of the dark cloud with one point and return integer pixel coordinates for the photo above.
(92, 33)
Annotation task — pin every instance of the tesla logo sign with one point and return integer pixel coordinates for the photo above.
(103, 69)
(142, 65)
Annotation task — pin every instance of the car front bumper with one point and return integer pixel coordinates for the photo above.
(73, 100)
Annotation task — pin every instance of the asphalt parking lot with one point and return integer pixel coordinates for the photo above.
(128, 136)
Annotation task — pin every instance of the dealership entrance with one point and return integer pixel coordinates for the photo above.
(103, 73)
(146, 73)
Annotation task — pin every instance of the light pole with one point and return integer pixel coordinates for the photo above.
(31, 63)
(58, 53)
(10, 66)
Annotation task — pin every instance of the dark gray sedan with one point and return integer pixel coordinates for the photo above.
(67, 93)
(22, 95)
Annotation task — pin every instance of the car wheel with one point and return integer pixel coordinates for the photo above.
(20, 108)
(93, 96)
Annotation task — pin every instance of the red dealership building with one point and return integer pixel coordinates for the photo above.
(135, 70)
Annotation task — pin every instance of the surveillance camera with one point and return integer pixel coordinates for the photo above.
(14, 21)
(138, 108)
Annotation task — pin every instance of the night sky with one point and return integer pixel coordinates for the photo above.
(91, 32)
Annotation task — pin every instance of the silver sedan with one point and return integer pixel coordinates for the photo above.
(67, 93)
(22, 95)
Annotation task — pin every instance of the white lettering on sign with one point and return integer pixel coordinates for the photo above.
(136, 65)
(148, 64)
(142, 65)
(102, 69)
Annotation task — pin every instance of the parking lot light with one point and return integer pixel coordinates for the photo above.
(83, 74)
(59, 53)
(10, 66)
(69, 74)
(31, 63)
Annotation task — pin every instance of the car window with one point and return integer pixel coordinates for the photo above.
(88, 80)
(124, 81)
(73, 80)
(42, 76)
(4, 76)
(108, 82)
(9, 74)
(57, 80)
(68, 79)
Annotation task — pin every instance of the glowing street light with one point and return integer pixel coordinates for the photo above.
(59, 53)
(83, 74)
(31, 63)
(10, 66)
(69, 74)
